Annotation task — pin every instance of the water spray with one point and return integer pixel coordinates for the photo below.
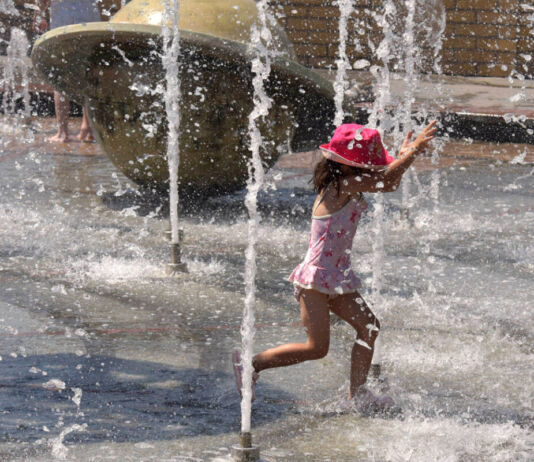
(16, 69)
(260, 41)
(379, 118)
(170, 59)
(340, 85)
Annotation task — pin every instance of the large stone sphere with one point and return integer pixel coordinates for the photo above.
(115, 70)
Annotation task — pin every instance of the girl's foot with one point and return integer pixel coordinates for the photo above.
(238, 374)
(365, 401)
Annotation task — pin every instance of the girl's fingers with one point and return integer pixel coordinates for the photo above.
(408, 136)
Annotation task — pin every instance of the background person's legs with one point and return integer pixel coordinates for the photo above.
(62, 105)
(85, 134)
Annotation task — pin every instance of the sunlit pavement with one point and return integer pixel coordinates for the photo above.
(104, 357)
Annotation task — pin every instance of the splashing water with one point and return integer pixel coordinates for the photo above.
(15, 81)
(171, 55)
(77, 398)
(261, 67)
(405, 45)
(521, 69)
(7, 7)
(476, 408)
(379, 118)
(341, 84)
(59, 450)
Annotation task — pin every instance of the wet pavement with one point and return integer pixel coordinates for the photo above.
(105, 357)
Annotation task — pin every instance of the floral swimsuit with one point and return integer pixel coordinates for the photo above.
(327, 267)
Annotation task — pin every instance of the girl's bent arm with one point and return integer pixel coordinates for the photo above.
(388, 180)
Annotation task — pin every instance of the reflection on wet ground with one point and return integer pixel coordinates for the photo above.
(104, 357)
(455, 152)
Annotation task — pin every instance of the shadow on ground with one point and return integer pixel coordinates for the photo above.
(121, 400)
(285, 204)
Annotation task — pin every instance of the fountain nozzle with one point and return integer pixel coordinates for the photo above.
(375, 371)
(246, 452)
(176, 265)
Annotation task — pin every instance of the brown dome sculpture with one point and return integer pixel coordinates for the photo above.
(115, 69)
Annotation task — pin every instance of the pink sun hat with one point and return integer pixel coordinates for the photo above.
(357, 146)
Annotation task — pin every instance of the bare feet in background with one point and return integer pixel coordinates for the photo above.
(85, 135)
(60, 137)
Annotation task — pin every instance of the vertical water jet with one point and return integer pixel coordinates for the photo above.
(261, 68)
(171, 64)
(340, 85)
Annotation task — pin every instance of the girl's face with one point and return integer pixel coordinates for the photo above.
(346, 169)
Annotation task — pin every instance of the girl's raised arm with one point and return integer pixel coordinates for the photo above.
(388, 180)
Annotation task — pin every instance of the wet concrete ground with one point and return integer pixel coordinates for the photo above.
(104, 357)
(455, 153)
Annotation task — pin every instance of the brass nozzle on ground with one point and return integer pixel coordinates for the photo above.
(176, 265)
(375, 371)
(245, 452)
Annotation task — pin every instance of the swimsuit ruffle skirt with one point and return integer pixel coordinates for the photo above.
(327, 266)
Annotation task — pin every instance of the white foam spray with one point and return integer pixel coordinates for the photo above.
(410, 82)
(341, 84)
(171, 56)
(15, 83)
(77, 398)
(402, 45)
(8, 8)
(378, 118)
(521, 70)
(59, 450)
(261, 67)
(439, 144)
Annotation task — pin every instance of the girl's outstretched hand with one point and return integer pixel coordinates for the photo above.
(421, 142)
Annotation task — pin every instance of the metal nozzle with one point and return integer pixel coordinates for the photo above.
(375, 371)
(246, 452)
(176, 265)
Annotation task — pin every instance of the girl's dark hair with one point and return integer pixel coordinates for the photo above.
(327, 171)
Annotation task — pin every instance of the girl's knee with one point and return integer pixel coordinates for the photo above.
(370, 332)
(318, 351)
(376, 323)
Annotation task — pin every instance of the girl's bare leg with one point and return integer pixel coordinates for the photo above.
(316, 319)
(62, 105)
(353, 309)
(85, 134)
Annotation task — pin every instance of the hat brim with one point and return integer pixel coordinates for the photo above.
(331, 155)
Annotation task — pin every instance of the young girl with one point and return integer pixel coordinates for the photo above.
(355, 161)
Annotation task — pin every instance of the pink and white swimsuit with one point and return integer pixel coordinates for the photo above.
(327, 267)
